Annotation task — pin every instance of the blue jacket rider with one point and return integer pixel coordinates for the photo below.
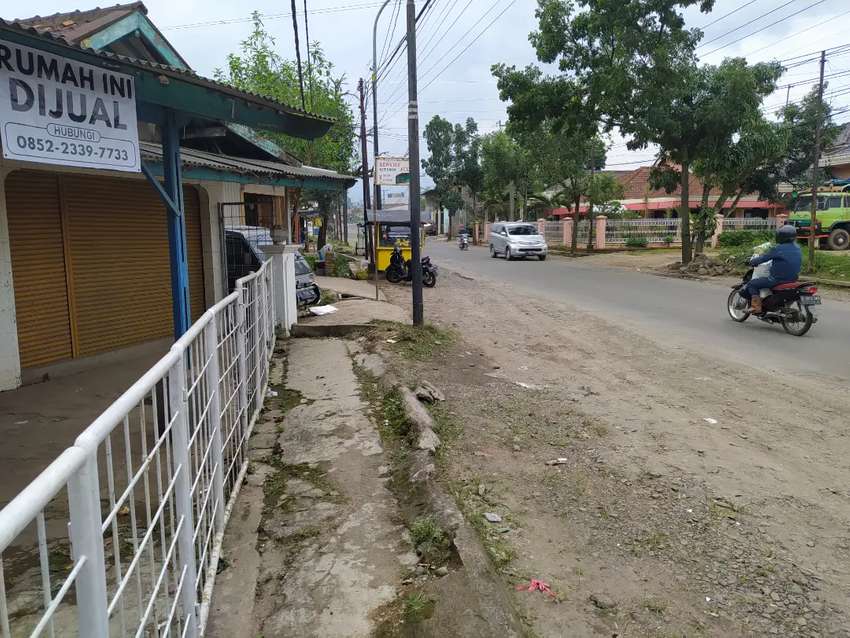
(787, 261)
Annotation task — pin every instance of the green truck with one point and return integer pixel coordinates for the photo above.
(833, 216)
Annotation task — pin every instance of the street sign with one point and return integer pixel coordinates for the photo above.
(390, 171)
(54, 110)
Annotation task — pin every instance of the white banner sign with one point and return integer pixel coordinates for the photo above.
(387, 170)
(54, 110)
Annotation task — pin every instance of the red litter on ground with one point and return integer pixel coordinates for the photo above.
(537, 585)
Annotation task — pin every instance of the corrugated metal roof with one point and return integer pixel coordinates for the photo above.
(73, 26)
(242, 166)
(162, 69)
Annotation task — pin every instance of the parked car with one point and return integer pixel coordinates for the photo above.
(244, 256)
(515, 240)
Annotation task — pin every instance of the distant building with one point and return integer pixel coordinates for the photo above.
(640, 197)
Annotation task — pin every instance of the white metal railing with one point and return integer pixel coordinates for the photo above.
(748, 223)
(661, 231)
(583, 232)
(121, 534)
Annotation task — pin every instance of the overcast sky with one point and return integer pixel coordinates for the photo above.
(465, 88)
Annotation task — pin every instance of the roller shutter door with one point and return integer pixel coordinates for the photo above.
(92, 253)
(38, 267)
(121, 278)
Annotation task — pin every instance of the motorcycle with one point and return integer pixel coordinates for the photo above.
(399, 270)
(788, 304)
(463, 241)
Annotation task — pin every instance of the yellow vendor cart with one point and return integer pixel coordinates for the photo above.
(389, 227)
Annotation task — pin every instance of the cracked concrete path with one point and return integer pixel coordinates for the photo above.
(329, 549)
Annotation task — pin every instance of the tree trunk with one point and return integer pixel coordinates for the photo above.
(735, 201)
(685, 215)
(451, 217)
(574, 247)
(511, 195)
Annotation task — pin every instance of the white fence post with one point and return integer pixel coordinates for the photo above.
(242, 338)
(259, 341)
(214, 416)
(87, 540)
(179, 411)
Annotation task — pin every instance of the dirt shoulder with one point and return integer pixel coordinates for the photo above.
(688, 497)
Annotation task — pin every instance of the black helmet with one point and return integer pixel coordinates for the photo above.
(786, 234)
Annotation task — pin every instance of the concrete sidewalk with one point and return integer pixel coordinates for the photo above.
(314, 546)
(351, 315)
(350, 287)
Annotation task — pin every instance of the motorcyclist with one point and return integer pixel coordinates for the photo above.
(786, 260)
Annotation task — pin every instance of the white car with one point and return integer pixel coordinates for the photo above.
(517, 240)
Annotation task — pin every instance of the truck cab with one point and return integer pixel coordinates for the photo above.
(833, 216)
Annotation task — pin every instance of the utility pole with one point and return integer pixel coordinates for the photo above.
(298, 55)
(364, 169)
(378, 202)
(815, 168)
(413, 142)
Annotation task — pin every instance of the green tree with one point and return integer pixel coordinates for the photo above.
(799, 121)
(453, 163)
(749, 164)
(626, 64)
(713, 105)
(258, 68)
(505, 166)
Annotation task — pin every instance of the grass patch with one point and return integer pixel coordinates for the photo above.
(432, 543)
(328, 297)
(447, 427)
(393, 420)
(418, 343)
(500, 552)
(418, 607)
(274, 487)
(828, 265)
(655, 605)
(425, 529)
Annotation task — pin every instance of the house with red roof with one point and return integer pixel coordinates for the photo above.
(655, 203)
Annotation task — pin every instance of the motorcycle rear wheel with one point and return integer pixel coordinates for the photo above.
(429, 279)
(799, 328)
(393, 274)
(738, 312)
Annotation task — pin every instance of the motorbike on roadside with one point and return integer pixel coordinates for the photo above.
(788, 304)
(463, 241)
(399, 270)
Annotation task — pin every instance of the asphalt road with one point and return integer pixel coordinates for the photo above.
(680, 313)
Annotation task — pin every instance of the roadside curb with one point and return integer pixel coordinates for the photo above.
(493, 596)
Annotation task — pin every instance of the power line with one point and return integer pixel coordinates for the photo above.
(767, 26)
(273, 16)
(723, 17)
(390, 35)
(746, 24)
(795, 34)
(466, 48)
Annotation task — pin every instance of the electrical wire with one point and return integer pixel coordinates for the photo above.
(767, 26)
(746, 24)
(394, 21)
(274, 16)
(724, 16)
(433, 78)
(795, 34)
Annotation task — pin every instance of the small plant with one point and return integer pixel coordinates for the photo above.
(636, 242)
(361, 275)
(340, 266)
(328, 297)
(668, 239)
(425, 529)
(418, 607)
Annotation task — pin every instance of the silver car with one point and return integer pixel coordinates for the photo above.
(517, 239)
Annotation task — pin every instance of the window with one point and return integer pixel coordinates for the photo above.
(833, 201)
(522, 230)
(390, 234)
